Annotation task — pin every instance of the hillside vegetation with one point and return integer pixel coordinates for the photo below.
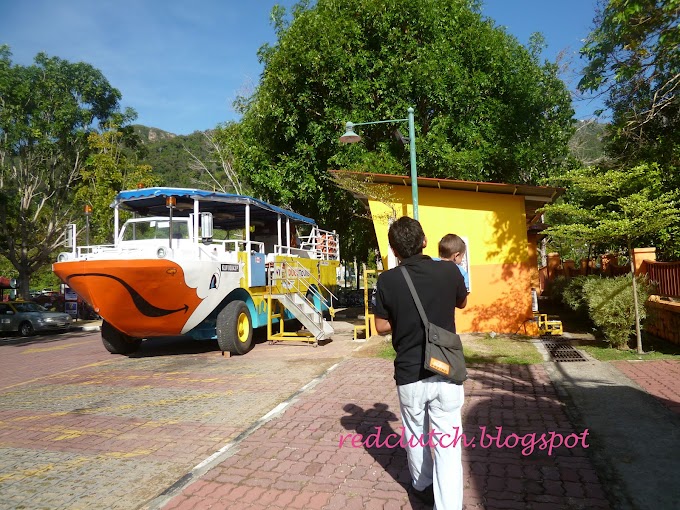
(170, 156)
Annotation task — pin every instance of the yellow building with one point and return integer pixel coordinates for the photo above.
(499, 224)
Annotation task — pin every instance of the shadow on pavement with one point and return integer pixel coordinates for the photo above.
(174, 346)
(376, 422)
(522, 401)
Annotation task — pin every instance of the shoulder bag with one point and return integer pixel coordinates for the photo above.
(443, 349)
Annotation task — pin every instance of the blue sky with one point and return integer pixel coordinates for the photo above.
(181, 64)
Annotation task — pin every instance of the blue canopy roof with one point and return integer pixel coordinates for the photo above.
(151, 202)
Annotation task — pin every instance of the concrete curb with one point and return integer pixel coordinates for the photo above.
(87, 327)
(231, 447)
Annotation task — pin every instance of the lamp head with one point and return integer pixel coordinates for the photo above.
(350, 136)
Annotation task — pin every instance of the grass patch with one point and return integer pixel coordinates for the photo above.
(655, 348)
(386, 351)
(505, 349)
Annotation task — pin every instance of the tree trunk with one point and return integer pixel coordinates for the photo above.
(543, 250)
(23, 287)
(635, 301)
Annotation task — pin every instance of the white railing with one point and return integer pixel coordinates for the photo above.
(323, 243)
(239, 245)
(296, 278)
(292, 251)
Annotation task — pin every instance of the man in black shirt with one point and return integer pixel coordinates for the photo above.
(430, 404)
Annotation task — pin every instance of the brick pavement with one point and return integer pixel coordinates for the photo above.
(294, 461)
(659, 378)
(80, 428)
(42, 355)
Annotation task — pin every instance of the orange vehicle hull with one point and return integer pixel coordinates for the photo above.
(140, 298)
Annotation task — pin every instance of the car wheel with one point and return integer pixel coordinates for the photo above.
(117, 342)
(26, 329)
(235, 328)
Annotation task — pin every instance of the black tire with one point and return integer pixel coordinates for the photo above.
(235, 328)
(26, 329)
(117, 342)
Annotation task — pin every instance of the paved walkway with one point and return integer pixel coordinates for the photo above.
(192, 433)
(637, 440)
(295, 461)
(83, 429)
(659, 378)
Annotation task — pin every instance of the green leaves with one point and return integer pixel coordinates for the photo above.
(634, 61)
(613, 207)
(485, 107)
(108, 171)
(46, 111)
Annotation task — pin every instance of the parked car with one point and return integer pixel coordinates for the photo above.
(27, 317)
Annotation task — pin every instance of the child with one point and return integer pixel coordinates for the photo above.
(452, 247)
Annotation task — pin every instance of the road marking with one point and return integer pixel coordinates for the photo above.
(98, 363)
(223, 453)
(32, 350)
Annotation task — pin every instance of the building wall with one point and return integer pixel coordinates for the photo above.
(663, 319)
(501, 265)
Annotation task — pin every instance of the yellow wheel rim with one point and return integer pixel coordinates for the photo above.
(243, 328)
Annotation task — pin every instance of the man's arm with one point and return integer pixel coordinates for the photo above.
(382, 326)
(462, 304)
(461, 290)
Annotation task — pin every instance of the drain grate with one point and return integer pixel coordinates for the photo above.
(562, 351)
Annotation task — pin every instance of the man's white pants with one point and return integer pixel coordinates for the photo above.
(434, 404)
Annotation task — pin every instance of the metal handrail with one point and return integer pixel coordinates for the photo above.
(324, 243)
(294, 283)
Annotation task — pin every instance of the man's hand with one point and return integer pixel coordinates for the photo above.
(382, 326)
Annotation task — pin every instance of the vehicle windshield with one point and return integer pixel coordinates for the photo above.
(29, 307)
(154, 229)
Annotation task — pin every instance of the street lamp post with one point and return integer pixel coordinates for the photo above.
(351, 137)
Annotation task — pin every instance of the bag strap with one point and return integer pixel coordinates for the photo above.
(414, 294)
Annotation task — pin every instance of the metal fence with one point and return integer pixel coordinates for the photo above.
(666, 277)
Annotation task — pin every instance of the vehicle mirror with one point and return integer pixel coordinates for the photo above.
(70, 236)
(206, 225)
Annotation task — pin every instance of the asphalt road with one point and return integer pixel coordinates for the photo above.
(81, 428)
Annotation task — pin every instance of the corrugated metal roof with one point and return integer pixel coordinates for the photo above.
(479, 187)
(535, 197)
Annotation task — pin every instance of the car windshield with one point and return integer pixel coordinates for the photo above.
(154, 229)
(29, 307)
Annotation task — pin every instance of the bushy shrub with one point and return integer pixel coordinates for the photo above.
(573, 296)
(556, 287)
(611, 307)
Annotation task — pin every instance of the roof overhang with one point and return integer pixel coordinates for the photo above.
(151, 202)
(535, 197)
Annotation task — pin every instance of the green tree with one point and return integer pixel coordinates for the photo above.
(614, 208)
(634, 61)
(108, 171)
(47, 111)
(486, 107)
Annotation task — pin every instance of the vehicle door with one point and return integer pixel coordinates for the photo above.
(5, 317)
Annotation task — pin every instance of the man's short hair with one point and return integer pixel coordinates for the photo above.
(451, 244)
(406, 237)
